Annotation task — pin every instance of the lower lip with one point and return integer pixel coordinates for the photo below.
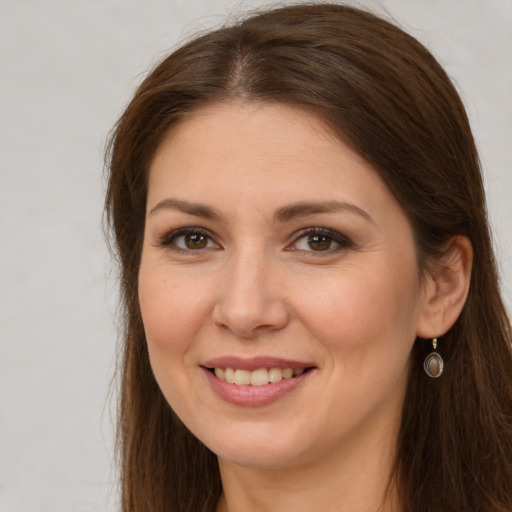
(254, 396)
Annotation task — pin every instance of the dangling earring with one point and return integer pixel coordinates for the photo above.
(433, 364)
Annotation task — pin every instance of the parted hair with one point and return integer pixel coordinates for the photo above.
(387, 97)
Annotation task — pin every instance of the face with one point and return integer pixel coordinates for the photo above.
(279, 287)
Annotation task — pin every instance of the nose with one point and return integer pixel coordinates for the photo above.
(250, 298)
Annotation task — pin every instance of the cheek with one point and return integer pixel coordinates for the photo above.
(370, 308)
(172, 312)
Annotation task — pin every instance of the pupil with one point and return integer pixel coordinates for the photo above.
(196, 241)
(319, 242)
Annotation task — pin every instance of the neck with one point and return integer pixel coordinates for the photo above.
(355, 479)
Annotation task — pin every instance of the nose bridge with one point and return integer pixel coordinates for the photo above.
(250, 300)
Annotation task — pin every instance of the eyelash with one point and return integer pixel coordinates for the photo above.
(343, 242)
(169, 240)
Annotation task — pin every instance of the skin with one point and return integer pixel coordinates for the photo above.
(259, 288)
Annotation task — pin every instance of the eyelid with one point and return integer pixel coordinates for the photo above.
(167, 240)
(343, 241)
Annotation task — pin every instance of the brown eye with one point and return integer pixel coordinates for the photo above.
(195, 241)
(188, 239)
(319, 242)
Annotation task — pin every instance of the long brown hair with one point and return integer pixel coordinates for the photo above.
(386, 96)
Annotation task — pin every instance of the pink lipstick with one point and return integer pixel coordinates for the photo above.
(258, 381)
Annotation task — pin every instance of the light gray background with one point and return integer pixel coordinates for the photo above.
(66, 70)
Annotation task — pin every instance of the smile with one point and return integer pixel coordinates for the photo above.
(258, 381)
(259, 377)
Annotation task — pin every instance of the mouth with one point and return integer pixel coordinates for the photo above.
(258, 377)
(256, 381)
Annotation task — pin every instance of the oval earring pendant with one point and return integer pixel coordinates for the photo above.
(433, 365)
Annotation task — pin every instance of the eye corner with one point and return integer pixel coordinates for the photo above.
(188, 240)
(319, 241)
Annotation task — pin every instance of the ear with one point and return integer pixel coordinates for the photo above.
(446, 289)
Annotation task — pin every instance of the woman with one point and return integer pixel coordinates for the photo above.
(313, 318)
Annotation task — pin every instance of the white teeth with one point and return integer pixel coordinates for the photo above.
(259, 377)
(275, 374)
(242, 377)
(287, 373)
(229, 375)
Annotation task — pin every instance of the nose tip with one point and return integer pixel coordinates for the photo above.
(246, 321)
(250, 303)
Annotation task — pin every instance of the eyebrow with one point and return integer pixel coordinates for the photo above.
(197, 209)
(284, 214)
(304, 209)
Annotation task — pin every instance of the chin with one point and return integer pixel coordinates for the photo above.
(265, 448)
(269, 457)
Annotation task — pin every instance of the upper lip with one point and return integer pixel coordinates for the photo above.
(254, 363)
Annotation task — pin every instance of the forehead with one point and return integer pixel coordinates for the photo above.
(259, 130)
(241, 147)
